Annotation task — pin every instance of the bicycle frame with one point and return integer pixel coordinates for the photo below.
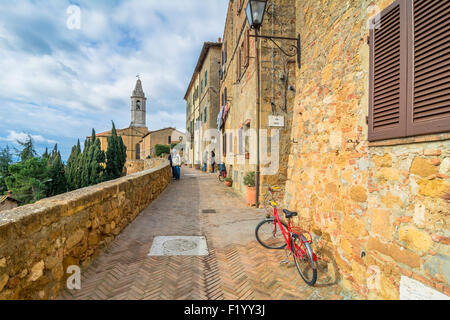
(299, 252)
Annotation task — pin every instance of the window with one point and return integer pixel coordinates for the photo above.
(231, 142)
(239, 63)
(170, 139)
(409, 66)
(224, 97)
(201, 87)
(246, 48)
(206, 78)
(224, 144)
(138, 151)
(205, 113)
(241, 141)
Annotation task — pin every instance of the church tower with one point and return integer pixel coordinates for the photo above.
(138, 106)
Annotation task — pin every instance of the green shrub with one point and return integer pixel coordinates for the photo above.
(228, 179)
(161, 149)
(250, 179)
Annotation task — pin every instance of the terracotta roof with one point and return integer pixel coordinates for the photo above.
(150, 132)
(4, 198)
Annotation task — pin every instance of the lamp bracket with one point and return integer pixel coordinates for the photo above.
(297, 47)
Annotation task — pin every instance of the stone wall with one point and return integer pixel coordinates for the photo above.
(375, 209)
(242, 92)
(39, 242)
(133, 166)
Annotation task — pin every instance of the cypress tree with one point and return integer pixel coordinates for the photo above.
(58, 184)
(71, 168)
(116, 155)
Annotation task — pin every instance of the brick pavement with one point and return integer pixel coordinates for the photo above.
(236, 268)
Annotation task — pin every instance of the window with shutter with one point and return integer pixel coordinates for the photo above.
(431, 68)
(410, 70)
(247, 48)
(224, 146)
(238, 64)
(388, 73)
(241, 142)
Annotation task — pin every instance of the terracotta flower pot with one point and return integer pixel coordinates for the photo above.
(251, 196)
(228, 183)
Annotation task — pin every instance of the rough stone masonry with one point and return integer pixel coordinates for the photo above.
(39, 242)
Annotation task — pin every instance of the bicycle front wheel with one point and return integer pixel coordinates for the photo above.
(267, 238)
(304, 259)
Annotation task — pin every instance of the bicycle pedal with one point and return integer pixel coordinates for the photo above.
(284, 262)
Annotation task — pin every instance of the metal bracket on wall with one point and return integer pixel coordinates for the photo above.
(296, 47)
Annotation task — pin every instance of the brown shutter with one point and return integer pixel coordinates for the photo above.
(431, 60)
(388, 73)
(246, 48)
(224, 141)
(238, 64)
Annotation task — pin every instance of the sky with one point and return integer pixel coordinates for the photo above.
(69, 66)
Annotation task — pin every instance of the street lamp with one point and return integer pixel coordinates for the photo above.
(39, 187)
(255, 15)
(255, 12)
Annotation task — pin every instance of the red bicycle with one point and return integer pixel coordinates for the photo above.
(222, 173)
(272, 233)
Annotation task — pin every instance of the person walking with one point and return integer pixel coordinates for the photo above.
(213, 161)
(171, 163)
(176, 159)
(205, 161)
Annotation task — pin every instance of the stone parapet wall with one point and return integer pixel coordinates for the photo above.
(133, 166)
(39, 242)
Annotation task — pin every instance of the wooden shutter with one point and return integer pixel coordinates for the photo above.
(238, 64)
(430, 66)
(246, 48)
(224, 144)
(388, 73)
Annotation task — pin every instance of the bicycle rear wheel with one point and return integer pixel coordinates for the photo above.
(306, 266)
(221, 177)
(265, 236)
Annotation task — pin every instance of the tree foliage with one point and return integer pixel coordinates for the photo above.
(161, 149)
(6, 159)
(48, 176)
(116, 155)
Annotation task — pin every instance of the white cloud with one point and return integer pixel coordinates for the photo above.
(60, 83)
(22, 136)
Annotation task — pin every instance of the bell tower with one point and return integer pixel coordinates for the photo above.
(138, 106)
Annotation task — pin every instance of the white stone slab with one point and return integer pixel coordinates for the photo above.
(411, 289)
(179, 246)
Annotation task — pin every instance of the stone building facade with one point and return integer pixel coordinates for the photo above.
(165, 136)
(238, 94)
(376, 208)
(202, 98)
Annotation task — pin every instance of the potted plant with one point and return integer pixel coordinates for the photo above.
(228, 182)
(250, 182)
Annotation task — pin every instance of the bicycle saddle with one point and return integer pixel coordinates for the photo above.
(289, 214)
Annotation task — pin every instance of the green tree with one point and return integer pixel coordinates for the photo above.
(161, 149)
(28, 150)
(116, 156)
(56, 173)
(5, 161)
(24, 178)
(72, 167)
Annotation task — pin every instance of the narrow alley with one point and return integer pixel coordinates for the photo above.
(237, 267)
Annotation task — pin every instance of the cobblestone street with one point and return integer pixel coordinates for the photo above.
(237, 267)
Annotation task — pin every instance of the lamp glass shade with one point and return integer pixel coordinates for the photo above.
(255, 12)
